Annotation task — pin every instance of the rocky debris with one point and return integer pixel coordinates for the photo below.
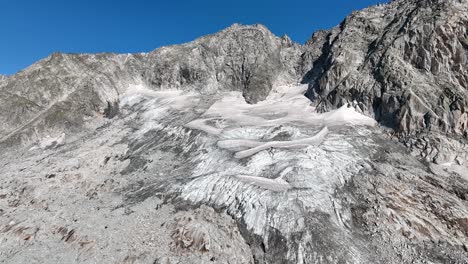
(411, 207)
(437, 148)
(207, 237)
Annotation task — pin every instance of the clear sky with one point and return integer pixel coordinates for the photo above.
(32, 29)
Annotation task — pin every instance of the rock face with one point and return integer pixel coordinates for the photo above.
(209, 152)
(404, 63)
(60, 93)
(239, 58)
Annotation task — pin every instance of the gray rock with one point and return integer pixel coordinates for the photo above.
(404, 63)
(59, 93)
(239, 58)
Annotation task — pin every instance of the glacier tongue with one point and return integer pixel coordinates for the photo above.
(289, 175)
(286, 160)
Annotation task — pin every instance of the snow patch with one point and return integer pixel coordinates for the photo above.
(276, 185)
(258, 146)
(156, 105)
(51, 142)
(200, 124)
(277, 110)
(176, 99)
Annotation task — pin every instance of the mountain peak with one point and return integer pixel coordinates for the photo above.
(238, 26)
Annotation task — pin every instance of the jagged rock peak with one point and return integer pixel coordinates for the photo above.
(404, 63)
(241, 58)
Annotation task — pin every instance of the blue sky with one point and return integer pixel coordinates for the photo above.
(31, 29)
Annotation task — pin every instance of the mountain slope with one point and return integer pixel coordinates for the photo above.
(404, 63)
(63, 90)
(60, 93)
(209, 152)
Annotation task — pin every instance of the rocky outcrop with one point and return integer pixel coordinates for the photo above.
(60, 93)
(438, 148)
(404, 63)
(240, 58)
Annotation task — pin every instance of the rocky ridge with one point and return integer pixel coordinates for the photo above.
(63, 90)
(404, 63)
(246, 58)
